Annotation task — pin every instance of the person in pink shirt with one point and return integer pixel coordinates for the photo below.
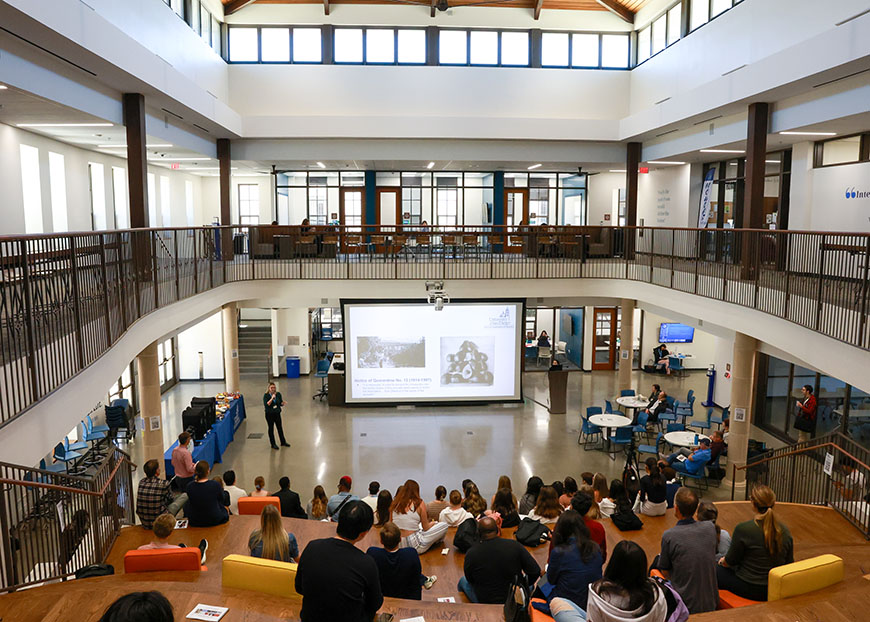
(182, 462)
(162, 529)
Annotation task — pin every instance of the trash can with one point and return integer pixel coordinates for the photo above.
(558, 381)
(292, 366)
(711, 382)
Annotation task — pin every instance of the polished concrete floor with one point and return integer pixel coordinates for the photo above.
(433, 444)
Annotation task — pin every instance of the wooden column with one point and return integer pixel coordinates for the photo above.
(137, 163)
(632, 162)
(223, 155)
(150, 407)
(756, 148)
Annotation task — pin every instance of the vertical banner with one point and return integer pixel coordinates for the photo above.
(706, 191)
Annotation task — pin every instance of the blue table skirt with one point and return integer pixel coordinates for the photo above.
(215, 443)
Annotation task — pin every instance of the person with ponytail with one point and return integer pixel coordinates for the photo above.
(757, 545)
(270, 541)
(652, 500)
(260, 487)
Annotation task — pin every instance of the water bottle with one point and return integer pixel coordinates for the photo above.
(696, 438)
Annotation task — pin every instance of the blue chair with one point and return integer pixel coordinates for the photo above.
(688, 408)
(627, 393)
(676, 427)
(322, 372)
(623, 437)
(588, 430)
(57, 467)
(720, 420)
(78, 445)
(641, 426)
(96, 428)
(676, 366)
(700, 477)
(702, 424)
(62, 454)
(96, 454)
(608, 409)
(714, 465)
(593, 410)
(651, 449)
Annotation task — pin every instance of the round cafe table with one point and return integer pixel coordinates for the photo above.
(633, 402)
(607, 422)
(681, 439)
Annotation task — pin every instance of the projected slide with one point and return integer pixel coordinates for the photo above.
(409, 352)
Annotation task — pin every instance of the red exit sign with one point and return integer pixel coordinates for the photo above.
(175, 166)
(643, 169)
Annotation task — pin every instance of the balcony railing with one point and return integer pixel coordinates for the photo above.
(66, 298)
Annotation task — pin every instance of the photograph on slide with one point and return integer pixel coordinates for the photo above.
(467, 360)
(390, 352)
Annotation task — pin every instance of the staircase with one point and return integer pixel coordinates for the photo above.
(254, 346)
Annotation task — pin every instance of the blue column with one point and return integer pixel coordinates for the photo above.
(370, 217)
(498, 198)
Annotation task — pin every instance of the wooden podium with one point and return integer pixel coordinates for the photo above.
(558, 381)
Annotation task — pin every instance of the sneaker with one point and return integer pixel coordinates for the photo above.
(203, 546)
(429, 582)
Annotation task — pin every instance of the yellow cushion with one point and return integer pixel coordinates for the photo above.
(804, 576)
(260, 575)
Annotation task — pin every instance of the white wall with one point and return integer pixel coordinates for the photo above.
(211, 203)
(293, 322)
(600, 196)
(830, 210)
(206, 337)
(78, 194)
(663, 197)
(702, 348)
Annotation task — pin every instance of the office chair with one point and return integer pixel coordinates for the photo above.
(322, 372)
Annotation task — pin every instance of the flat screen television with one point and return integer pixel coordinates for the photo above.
(676, 333)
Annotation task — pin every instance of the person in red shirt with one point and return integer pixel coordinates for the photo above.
(581, 502)
(808, 408)
(182, 461)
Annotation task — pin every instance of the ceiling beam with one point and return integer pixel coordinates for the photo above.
(326, 7)
(236, 5)
(539, 4)
(615, 7)
(432, 9)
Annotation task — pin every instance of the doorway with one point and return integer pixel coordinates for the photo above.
(516, 211)
(604, 338)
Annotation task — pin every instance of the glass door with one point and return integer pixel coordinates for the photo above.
(516, 213)
(604, 339)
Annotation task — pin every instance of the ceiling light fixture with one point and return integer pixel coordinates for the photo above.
(321, 165)
(664, 162)
(808, 133)
(207, 168)
(534, 166)
(65, 125)
(155, 146)
(171, 159)
(617, 170)
(722, 151)
(3, 87)
(430, 165)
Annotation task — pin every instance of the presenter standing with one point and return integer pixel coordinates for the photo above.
(273, 402)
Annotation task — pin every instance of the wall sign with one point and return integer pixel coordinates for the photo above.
(829, 464)
(740, 415)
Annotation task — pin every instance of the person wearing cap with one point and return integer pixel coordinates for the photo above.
(694, 462)
(341, 498)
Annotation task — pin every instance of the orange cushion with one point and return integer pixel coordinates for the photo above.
(539, 616)
(655, 572)
(730, 600)
(163, 559)
(255, 505)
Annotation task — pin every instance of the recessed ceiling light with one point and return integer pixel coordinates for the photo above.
(617, 170)
(664, 162)
(534, 166)
(808, 133)
(721, 151)
(124, 146)
(170, 159)
(321, 165)
(430, 165)
(65, 125)
(771, 161)
(3, 87)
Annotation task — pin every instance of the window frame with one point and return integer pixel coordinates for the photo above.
(863, 150)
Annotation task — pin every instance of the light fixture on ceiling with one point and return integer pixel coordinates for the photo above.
(808, 133)
(207, 168)
(534, 166)
(771, 161)
(321, 165)
(664, 162)
(3, 87)
(617, 170)
(430, 165)
(124, 146)
(721, 150)
(65, 125)
(171, 159)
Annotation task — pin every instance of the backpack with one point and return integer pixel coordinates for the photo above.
(532, 533)
(677, 610)
(466, 535)
(516, 607)
(95, 570)
(626, 520)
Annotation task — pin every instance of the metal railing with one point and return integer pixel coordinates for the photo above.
(796, 474)
(54, 524)
(66, 298)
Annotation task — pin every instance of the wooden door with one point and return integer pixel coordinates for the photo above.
(604, 338)
(516, 212)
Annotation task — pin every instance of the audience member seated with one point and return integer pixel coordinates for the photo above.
(547, 509)
(260, 487)
(569, 489)
(583, 504)
(600, 488)
(694, 460)
(341, 498)
(673, 483)
(717, 445)
(707, 511)
(688, 556)
(653, 495)
(233, 491)
(662, 358)
(139, 607)
(155, 497)
(658, 408)
(434, 508)
(270, 541)
(399, 569)
(530, 497)
(164, 525)
(575, 561)
(205, 504)
(224, 494)
(587, 477)
(316, 508)
(337, 581)
(653, 396)
(559, 488)
(624, 593)
(291, 506)
(383, 515)
(372, 498)
(594, 513)
(505, 505)
(503, 482)
(182, 461)
(473, 502)
(607, 505)
(492, 564)
(852, 487)
(543, 340)
(454, 514)
(757, 545)
(623, 516)
(409, 515)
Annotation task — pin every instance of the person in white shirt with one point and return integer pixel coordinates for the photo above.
(454, 514)
(234, 491)
(852, 487)
(372, 499)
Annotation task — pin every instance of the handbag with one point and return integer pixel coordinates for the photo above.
(466, 535)
(95, 570)
(532, 533)
(677, 610)
(626, 520)
(516, 607)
